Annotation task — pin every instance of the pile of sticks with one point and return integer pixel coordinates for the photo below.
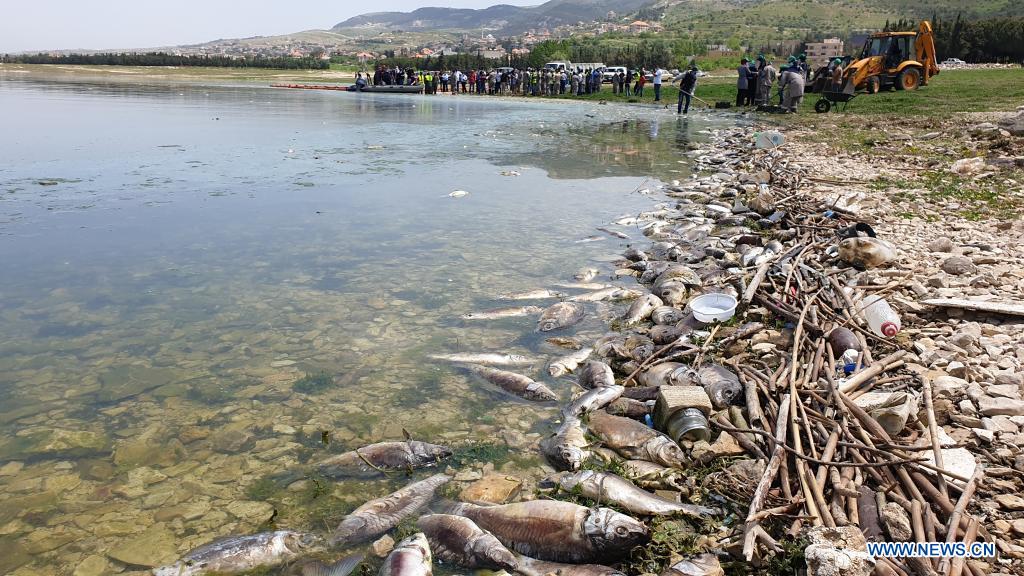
(829, 462)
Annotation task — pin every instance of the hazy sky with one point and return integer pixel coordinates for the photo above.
(98, 24)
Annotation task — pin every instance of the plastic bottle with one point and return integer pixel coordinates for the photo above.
(769, 139)
(882, 319)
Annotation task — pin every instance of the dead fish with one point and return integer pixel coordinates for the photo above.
(635, 255)
(608, 293)
(641, 309)
(533, 567)
(615, 233)
(382, 514)
(584, 285)
(595, 374)
(410, 557)
(568, 363)
(664, 315)
(498, 313)
(662, 335)
(586, 274)
(628, 408)
(606, 487)
(241, 553)
(559, 531)
(635, 440)
(589, 239)
(382, 457)
(561, 315)
(564, 342)
(540, 294)
(866, 252)
(458, 194)
(673, 293)
(509, 173)
(700, 565)
(342, 567)
(666, 374)
(593, 399)
(567, 447)
(626, 221)
(680, 273)
(457, 540)
(522, 386)
(487, 359)
(721, 384)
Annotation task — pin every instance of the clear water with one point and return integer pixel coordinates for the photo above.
(175, 257)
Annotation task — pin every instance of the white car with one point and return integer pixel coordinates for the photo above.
(952, 62)
(611, 71)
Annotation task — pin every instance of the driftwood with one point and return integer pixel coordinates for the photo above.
(1008, 308)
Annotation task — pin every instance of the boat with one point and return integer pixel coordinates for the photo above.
(373, 89)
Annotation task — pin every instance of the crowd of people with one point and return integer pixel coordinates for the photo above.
(756, 78)
(530, 82)
(754, 86)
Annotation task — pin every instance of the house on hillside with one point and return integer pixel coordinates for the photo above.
(365, 57)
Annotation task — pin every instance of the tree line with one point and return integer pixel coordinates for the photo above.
(988, 40)
(165, 59)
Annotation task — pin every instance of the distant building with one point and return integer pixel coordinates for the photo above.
(819, 53)
(364, 57)
(639, 26)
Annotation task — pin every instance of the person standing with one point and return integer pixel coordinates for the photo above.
(837, 75)
(641, 79)
(625, 76)
(687, 86)
(751, 82)
(657, 84)
(766, 77)
(741, 83)
(792, 83)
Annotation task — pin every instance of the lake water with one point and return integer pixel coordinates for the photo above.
(175, 257)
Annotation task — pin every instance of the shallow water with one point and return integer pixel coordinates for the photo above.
(175, 257)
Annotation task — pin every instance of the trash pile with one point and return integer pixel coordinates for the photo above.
(754, 391)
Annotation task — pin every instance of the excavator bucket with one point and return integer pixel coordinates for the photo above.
(924, 45)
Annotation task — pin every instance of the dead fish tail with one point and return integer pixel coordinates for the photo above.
(342, 567)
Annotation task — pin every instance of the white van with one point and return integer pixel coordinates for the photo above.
(613, 71)
(559, 65)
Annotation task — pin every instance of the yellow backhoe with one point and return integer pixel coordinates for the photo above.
(901, 60)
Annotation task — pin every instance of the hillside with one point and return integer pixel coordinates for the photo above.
(501, 18)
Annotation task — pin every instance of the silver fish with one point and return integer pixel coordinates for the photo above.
(410, 557)
(457, 540)
(561, 315)
(666, 374)
(591, 400)
(487, 359)
(381, 457)
(700, 565)
(382, 514)
(589, 239)
(533, 567)
(606, 487)
(679, 273)
(615, 233)
(586, 274)
(635, 440)
(663, 315)
(522, 386)
(559, 531)
(608, 293)
(568, 363)
(567, 447)
(595, 374)
(641, 309)
(499, 313)
(721, 384)
(629, 408)
(242, 553)
(584, 285)
(672, 292)
(342, 567)
(540, 294)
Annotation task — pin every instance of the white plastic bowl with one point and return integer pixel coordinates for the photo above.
(713, 307)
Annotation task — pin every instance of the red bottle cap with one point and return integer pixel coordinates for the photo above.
(890, 329)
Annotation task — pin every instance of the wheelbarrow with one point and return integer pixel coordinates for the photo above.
(830, 98)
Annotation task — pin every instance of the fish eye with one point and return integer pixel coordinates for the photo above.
(621, 530)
